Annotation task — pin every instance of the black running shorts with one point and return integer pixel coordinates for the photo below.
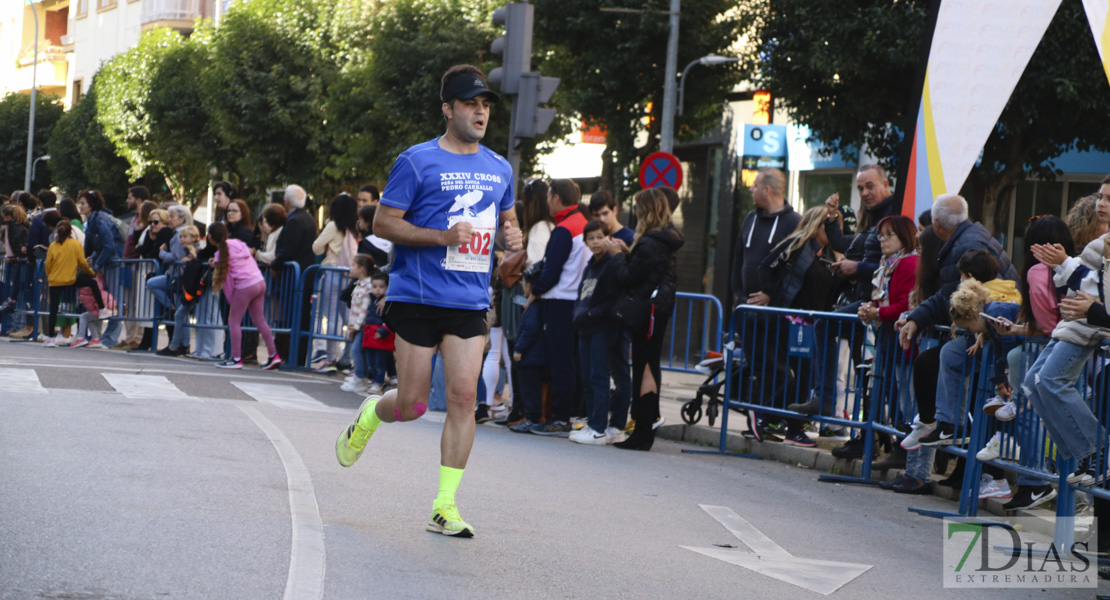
(425, 326)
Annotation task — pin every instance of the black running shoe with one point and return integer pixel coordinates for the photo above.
(852, 449)
(1030, 497)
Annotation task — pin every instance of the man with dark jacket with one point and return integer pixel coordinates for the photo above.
(763, 228)
(959, 235)
(557, 289)
(294, 245)
(862, 254)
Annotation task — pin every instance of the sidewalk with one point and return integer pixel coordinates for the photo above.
(678, 388)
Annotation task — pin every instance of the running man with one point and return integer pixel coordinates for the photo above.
(441, 208)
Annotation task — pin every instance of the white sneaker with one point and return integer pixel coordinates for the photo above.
(375, 389)
(357, 386)
(992, 450)
(615, 435)
(993, 404)
(61, 340)
(49, 343)
(994, 488)
(105, 313)
(350, 378)
(589, 436)
(1008, 412)
(80, 343)
(920, 430)
(95, 344)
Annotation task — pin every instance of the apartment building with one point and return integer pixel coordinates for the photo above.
(75, 37)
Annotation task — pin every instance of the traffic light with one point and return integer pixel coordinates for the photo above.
(515, 47)
(530, 120)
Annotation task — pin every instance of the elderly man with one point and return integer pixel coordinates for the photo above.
(945, 362)
(294, 245)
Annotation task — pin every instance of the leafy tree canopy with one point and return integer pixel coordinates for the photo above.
(82, 157)
(15, 114)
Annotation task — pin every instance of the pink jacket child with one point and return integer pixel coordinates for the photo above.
(245, 289)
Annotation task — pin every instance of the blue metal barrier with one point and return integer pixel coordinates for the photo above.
(696, 324)
(282, 308)
(328, 313)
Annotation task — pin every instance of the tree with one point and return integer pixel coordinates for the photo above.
(152, 109)
(15, 113)
(82, 157)
(849, 71)
(612, 69)
(388, 101)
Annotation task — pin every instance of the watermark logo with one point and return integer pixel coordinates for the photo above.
(1018, 552)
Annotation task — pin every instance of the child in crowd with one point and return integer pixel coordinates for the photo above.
(982, 267)
(88, 321)
(530, 361)
(597, 339)
(235, 272)
(370, 354)
(63, 259)
(168, 292)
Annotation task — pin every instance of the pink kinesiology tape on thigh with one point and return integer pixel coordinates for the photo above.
(397, 414)
(419, 409)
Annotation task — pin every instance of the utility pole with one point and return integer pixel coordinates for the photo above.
(34, 89)
(666, 134)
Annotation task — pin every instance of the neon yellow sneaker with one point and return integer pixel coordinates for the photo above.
(353, 439)
(446, 520)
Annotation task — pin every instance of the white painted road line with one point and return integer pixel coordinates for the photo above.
(21, 381)
(307, 560)
(772, 560)
(284, 396)
(144, 386)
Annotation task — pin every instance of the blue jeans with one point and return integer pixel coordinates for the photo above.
(159, 285)
(180, 326)
(369, 363)
(1050, 387)
(593, 362)
(951, 407)
(827, 335)
(621, 372)
(919, 463)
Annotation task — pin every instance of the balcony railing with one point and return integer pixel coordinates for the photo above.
(47, 53)
(170, 10)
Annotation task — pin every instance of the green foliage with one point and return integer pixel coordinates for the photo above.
(874, 45)
(847, 69)
(389, 100)
(612, 67)
(15, 109)
(82, 156)
(152, 109)
(265, 90)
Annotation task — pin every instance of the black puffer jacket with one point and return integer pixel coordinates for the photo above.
(968, 236)
(651, 264)
(17, 237)
(864, 247)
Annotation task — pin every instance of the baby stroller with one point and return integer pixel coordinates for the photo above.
(713, 387)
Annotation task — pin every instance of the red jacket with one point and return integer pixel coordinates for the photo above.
(901, 284)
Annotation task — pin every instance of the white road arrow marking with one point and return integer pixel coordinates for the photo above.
(770, 559)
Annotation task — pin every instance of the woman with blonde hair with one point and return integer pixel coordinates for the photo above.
(1088, 219)
(648, 270)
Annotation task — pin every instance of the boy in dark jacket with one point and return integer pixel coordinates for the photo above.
(530, 361)
(597, 336)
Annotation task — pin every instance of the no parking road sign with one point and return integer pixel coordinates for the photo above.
(661, 169)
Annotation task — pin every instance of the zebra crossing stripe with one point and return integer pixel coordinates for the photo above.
(145, 386)
(284, 396)
(21, 381)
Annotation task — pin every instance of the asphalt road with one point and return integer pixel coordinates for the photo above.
(122, 488)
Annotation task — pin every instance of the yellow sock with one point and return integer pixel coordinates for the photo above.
(449, 480)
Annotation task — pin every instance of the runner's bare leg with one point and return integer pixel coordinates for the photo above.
(414, 382)
(462, 364)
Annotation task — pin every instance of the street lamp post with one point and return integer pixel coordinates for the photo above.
(711, 59)
(34, 87)
(666, 131)
(35, 166)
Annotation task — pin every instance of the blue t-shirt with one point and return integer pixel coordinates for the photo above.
(436, 189)
(625, 235)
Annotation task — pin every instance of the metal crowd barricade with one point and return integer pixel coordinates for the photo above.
(329, 314)
(282, 308)
(780, 357)
(696, 324)
(125, 280)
